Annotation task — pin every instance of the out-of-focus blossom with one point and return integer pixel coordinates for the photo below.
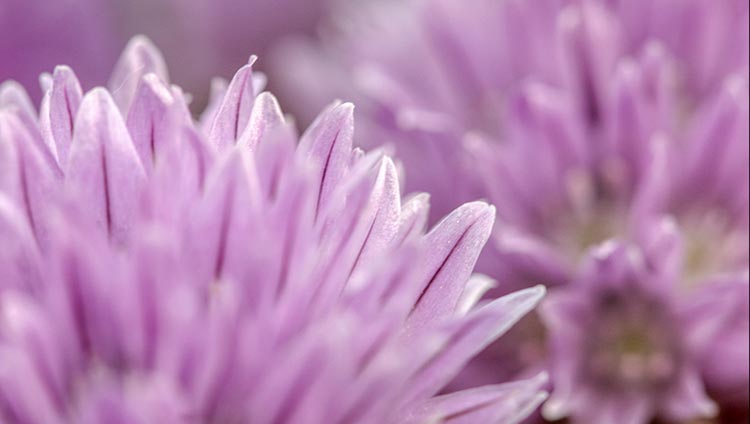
(202, 38)
(583, 121)
(625, 348)
(431, 76)
(152, 271)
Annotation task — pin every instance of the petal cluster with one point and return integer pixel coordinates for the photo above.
(157, 269)
(587, 123)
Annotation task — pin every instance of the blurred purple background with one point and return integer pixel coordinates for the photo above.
(200, 39)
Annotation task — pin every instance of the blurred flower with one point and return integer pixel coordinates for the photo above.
(583, 121)
(156, 272)
(433, 76)
(625, 348)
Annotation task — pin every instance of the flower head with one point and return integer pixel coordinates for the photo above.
(625, 347)
(556, 128)
(584, 122)
(154, 271)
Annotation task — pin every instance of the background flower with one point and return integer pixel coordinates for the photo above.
(583, 121)
(625, 347)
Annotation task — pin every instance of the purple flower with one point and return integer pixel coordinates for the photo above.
(452, 87)
(625, 347)
(156, 272)
(583, 121)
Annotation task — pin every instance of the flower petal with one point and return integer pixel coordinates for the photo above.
(233, 113)
(327, 146)
(467, 337)
(155, 118)
(139, 58)
(59, 110)
(454, 246)
(104, 174)
(504, 403)
(265, 116)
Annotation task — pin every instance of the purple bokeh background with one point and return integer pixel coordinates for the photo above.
(200, 39)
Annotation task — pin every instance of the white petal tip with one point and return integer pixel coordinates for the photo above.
(538, 292)
(141, 41)
(554, 409)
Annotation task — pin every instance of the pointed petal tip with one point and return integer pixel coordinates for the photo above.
(541, 289)
(267, 108)
(8, 85)
(535, 401)
(478, 215)
(533, 295)
(247, 67)
(492, 211)
(347, 107)
(62, 71)
(387, 165)
(332, 105)
(141, 47)
(340, 112)
(339, 108)
(139, 56)
(479, 208)
(555, 409)
(268, 100)
(539, 380)
(99, 110)
(141, 41)
(45, 82)
(65, 76)
(13, 93)
(97, 95)
(422, 199)
(522, 300)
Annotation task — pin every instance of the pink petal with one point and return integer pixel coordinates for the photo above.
(454, 246)
(468, 336)
(264, 118)
(149, 122)
(139, 58)
(233, 113)
(104, 173)
(327, 146)
(59, 112)
(497, 404)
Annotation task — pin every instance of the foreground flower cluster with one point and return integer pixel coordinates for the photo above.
(613, 137)
(154, 269)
